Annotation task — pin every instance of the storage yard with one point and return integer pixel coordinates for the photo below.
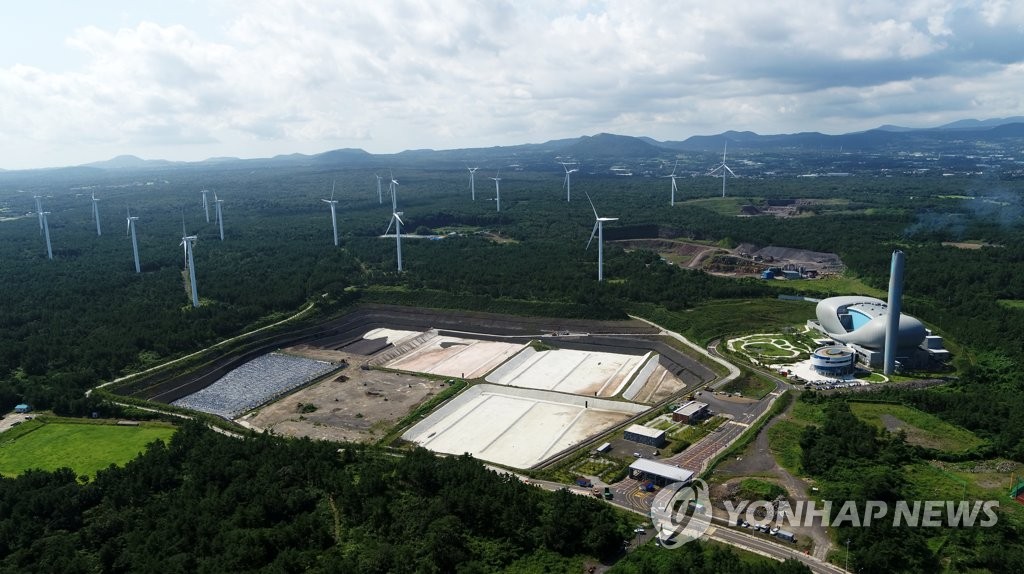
(516, 427)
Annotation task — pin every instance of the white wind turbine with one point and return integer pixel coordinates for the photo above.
(135, 245)
(568, 178)
(380, 196)
(599, 230)
(396, 220)
(334, 219)
(96, 213)
(472, 181)
(188, 242)
(497, 187)
(394, 193)
(46, 231)
(39, 210)
(206, 206)
(673, 175)
(724, 168)
(220, 214)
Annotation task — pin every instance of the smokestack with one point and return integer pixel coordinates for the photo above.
(892, 323)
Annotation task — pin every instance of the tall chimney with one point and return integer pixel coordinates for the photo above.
(892, 322)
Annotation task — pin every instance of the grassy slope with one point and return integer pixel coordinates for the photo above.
(922, 428)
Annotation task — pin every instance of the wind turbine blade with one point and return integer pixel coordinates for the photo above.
(716, 169)
(399, 218)
(596, 216)
(592, 234)
(730, 171)
(332, 189)
(390, 223)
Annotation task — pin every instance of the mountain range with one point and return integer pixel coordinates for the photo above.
(608, 147)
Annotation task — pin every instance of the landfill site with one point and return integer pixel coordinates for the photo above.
(535, 388)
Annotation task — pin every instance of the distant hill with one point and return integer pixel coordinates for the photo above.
(129, 162)
(611, 146)
(973, 124)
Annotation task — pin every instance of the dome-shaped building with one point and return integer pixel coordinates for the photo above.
(861, 321)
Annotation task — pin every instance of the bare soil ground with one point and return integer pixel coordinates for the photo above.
(351, 405)
(659, 386)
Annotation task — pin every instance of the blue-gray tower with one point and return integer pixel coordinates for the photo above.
(892, 325)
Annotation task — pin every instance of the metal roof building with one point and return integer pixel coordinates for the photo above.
(660, 472)
(645, 435)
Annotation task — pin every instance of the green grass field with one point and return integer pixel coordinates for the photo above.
(784, 435)
(750, 385)
(723, 205)
(84, 446)
(1012, 303)
(720, 318)
(922, 428)
(828, 286)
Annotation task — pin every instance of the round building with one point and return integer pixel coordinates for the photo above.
(833, 361)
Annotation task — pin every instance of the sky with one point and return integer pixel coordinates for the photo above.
(193, 79)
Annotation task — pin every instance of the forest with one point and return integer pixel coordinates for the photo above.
(86, 317)
(210, 503)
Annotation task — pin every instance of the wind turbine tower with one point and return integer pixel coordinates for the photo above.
(96, 213)
(188, 242)
(472, 181)
(599, 230)
(672, 202)
(568, 179)
(135, 244)
(39, 210)
(724, 168)
(394, 193)
(380, 196)
(46, 231)
(396, 220)
(497, 187)
(220, 214)
(206, 206)
(334, 220)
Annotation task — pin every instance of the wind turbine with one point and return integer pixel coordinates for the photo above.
(673, 176)
(39, 210)
(472, 181)
(568, 179)
(188, 242)
(497, 187)
(380, 196)
(599, 230)
(334, 220)
(46, 230)
(396, 220)
(96, 213)
(220, 214)
(135, 245)
(724, 168)
(206, 206)
(394, 193)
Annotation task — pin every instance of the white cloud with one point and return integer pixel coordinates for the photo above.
(276, 77)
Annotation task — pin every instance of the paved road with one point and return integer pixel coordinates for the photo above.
(766, 547)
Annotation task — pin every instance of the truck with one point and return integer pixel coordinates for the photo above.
(584, 482)
(786, 535)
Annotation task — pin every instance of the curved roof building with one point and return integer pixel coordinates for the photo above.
(861, 320)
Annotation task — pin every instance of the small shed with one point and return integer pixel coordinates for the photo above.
(22, 408)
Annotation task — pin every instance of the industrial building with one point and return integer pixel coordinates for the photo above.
(645, 435)
(658, 472)
(860, 323)
(691, 412)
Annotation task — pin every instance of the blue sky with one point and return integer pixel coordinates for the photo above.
(187, 80)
